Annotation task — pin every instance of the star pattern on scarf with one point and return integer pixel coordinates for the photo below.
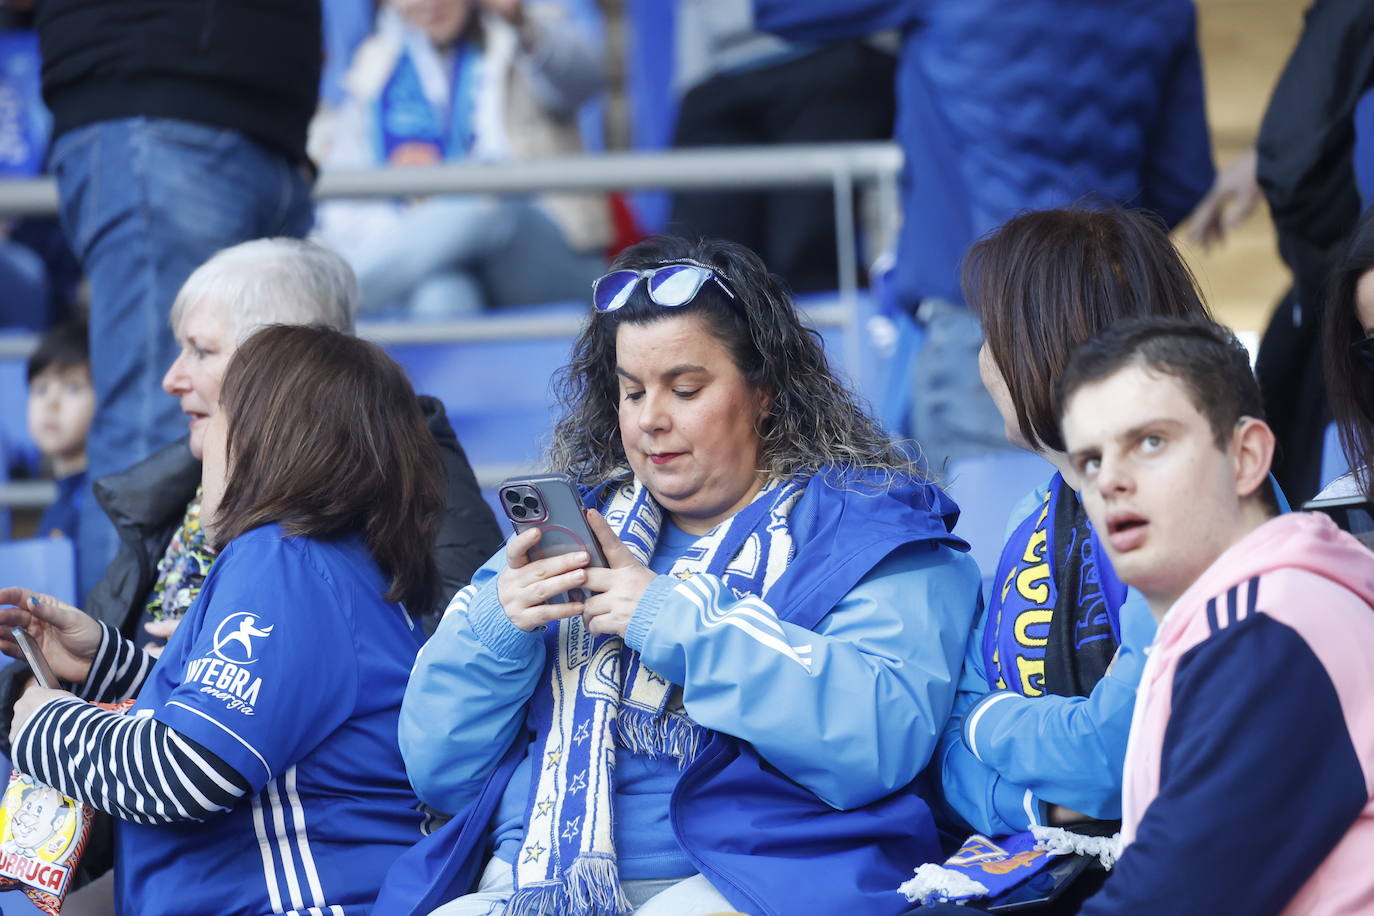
(555, 757)
(543, 808)
(571, 827)
(656, 679)
(578, 784)
(584, 732)
(534, 853)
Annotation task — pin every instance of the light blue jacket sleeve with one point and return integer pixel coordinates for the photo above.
(467, 696)
(1004, 756)
(852, 710)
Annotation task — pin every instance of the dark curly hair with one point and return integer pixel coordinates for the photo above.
(814, 421)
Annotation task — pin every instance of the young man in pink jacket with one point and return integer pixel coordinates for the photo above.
(1249, 775)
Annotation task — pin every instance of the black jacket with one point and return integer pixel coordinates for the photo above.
(252, 66)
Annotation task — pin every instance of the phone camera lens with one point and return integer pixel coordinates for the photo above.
(518, 511)
(511, 496)
(531, 503)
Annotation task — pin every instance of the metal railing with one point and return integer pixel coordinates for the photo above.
(852, 170)
(857, 173)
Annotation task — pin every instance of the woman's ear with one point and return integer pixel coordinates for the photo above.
(1253, 442)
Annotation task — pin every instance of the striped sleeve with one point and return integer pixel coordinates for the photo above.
(132, 767)
(117, 671)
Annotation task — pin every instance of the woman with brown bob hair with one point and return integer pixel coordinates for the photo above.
(1039, 731)
(267, 774)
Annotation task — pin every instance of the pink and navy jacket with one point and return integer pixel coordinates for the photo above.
(1249, 779)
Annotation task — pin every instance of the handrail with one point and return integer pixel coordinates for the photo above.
(487, 327)
(792, 165)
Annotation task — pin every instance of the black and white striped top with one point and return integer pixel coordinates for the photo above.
(132, 767)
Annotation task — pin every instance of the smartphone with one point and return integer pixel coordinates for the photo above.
(550, 503)
(42, 671)
(1351, 513)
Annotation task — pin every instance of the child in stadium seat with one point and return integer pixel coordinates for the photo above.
(1247, 783)
(61, 404)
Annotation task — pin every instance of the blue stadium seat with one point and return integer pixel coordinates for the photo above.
(987, 488)
(19, 452)
(45, 565)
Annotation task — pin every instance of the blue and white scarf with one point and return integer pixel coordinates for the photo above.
(598, 697)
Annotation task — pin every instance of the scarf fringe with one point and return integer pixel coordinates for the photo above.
(934, 884)
(658, 737)
(1058, 841)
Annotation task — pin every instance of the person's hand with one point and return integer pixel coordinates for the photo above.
(67, 636)
(525, 587)
(28, 703)
(1232, 199)
(619, 587)
(160, 629)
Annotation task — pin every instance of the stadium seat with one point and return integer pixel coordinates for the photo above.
(987, 488)
(19, 452)
(46, 565)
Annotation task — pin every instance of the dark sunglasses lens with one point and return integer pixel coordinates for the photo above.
(676, 284)
(613, 290)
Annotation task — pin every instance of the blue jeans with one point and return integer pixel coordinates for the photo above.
(144, 202)
(453, 256)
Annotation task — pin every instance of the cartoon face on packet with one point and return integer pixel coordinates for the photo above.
(41, 814)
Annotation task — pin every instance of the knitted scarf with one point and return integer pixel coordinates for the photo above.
(601, 698)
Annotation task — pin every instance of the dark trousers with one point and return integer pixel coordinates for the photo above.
(842, 92)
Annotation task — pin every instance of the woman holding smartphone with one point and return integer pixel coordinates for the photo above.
(258, 770)
(774, 638)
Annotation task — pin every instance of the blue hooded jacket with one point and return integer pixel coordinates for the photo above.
(766, 821)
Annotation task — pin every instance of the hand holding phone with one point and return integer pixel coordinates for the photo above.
(42, 671)
(548, 557)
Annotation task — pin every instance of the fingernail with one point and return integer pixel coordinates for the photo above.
(581, 556)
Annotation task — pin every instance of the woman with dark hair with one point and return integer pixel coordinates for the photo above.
(736, 717)
(259, 770)
(1049, 681)
(1348, 347)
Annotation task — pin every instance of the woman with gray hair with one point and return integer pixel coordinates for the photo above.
(163, 556)
(736, 717)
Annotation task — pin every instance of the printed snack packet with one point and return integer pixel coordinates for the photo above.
(43, 834)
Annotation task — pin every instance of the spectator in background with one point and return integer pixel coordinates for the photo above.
(455, 80)
(739, 86)
(178, 129)
(38, 275)
(61, 403)
(1008, 107)
(1304, 163)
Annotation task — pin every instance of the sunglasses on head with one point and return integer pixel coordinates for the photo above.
(669, 285)
(1363, 351)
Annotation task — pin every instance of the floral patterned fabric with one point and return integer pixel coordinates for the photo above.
(182, 569)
